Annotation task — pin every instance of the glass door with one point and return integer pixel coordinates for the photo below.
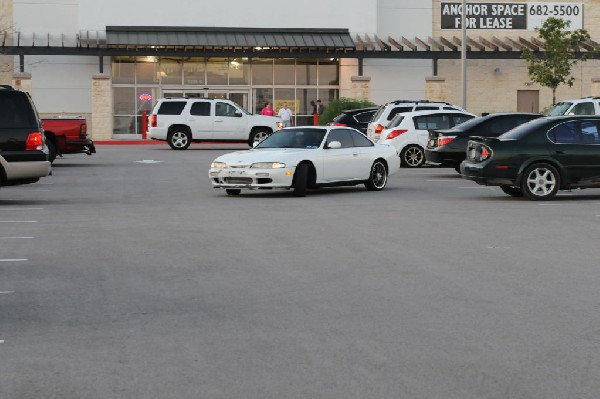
(240, 97)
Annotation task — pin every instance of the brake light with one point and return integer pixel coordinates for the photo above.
(396, 133)
(35, 141)
(83, 130)
(379, 129)
(153, 120)
(443, 140)
(485, 154)
(338, 124)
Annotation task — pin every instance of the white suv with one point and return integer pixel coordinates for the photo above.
(181, 121)
(386, 112)
(581, 106)
(408, 132)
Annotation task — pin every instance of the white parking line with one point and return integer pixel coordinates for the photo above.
(442, 180)
(12, 238)
(481, 188)
(13, 260)
(29, 189)
(1, 341)
(21, 209)
(550, 204)
(6, 292)
(18, 221)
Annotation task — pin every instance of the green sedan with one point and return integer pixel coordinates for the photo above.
(538, 158)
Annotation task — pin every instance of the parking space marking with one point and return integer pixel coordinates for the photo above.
(496, 247)
(13, 238)
(6, 292)
(442, 180)
(13, 260)
(1, 341)
(550, 204)
(30, 189)
(481, 188)
(21, 209)
(18, 221)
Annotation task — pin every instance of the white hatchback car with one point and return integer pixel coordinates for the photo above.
(409, 132)
(298, 158)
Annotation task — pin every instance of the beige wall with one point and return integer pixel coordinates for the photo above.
(6, 24)
(493, 84)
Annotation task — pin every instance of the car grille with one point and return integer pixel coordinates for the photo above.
(238, 180)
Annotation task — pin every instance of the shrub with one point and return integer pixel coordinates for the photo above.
(335, 107)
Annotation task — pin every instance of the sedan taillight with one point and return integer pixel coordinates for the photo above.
(443, 140)
(338, 124)
(396, 133)
(35, 141)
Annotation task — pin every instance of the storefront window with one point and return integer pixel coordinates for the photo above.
(146, 70)
(217, 71)
(285, 96)
(306, 72)
(304, 97)
(194, 71)
(328, 72)
(261, 97)
(123, 100)
(123, 71)
(285, 72)
(170, 71)
(262, 71)
(239, 71)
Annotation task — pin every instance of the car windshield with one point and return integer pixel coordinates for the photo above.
(244, 110)
(378, 113)
(558, 109)
(308, 138)
(396, 120)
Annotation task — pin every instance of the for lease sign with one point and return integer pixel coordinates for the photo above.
(513, 15)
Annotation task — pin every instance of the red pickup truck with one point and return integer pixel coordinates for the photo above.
(67, 135)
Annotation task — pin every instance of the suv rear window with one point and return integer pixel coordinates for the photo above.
(171, 108)
(16, 111)
(398, 110)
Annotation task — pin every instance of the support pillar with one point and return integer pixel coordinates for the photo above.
(102, 107)
(22, 81)
(360, 87)
(596, 87)
(435, 88)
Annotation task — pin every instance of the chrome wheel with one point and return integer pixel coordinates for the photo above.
(413, 156)
(378, 177)
(179, 140)
(541, 182)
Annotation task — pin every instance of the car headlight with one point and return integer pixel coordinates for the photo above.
(218, 165)
(279, 125)
(268, 165)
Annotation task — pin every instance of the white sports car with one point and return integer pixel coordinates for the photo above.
(301, 158)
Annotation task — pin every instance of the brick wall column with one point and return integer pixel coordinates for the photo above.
(102, 106)
(596, 87)
(360, 87)
(6, 24)
(22, 81)
(435, 88)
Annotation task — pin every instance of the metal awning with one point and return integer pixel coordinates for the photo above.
(228, 38)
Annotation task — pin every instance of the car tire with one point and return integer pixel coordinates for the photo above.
(233, 191)
(51, 150)
(377, 177)
(412, 156)
(512, 191)
(300, 181)
(258, 136)
(179, 139)
(540, 182)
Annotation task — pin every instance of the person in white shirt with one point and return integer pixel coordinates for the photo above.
(286, 115)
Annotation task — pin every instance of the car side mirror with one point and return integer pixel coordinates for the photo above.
(237, 113)
(334, 144)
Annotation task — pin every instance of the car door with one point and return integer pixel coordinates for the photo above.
(200, 120)
(576, 145)
(230, 123)
(340, 164)
(366, 154)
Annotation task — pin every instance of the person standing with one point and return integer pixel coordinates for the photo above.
(320, 108)
(286, 115)
(268, 110)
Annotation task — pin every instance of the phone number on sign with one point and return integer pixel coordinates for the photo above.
(554, 11)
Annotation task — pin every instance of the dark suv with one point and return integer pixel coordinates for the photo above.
(356, 118)
(23, 153)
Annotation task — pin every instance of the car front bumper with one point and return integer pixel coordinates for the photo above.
(251, 178)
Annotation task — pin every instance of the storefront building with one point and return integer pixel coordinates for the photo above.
(80, 57)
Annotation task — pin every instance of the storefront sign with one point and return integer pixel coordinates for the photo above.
(513, 15)
(145, 97)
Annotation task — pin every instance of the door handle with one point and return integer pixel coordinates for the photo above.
(191, 119)
(219, 120)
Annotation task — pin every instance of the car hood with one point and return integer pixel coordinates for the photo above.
(265, 155)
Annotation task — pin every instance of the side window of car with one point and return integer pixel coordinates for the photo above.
(224, 109)
(341, 135)
(589, 132)
(457, 119)
(360, 140)
(586, 108)
(200, 108)
(398, 110)
(565, 133)
(171, 108)
(426, 108)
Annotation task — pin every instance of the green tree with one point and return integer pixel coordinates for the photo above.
(335, 107)
(552, 67)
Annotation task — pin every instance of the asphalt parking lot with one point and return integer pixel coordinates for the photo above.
(126, 275)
